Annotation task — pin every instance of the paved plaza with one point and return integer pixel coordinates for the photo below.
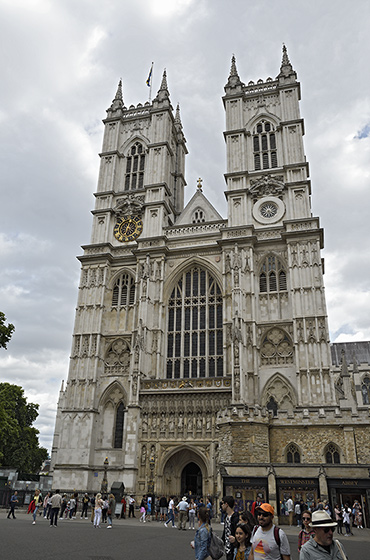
(78, 540)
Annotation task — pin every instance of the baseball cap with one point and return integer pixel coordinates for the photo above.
(267, 508)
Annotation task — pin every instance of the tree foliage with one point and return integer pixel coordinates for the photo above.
(19, 444)
(6, 331)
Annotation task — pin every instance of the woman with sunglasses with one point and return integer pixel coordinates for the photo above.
(307, 532)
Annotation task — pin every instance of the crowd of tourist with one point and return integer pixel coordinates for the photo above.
(247, 535)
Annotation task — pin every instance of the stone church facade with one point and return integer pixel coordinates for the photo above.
(201, 358)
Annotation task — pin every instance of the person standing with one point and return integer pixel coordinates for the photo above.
(163, 505)
(98, 510)
(64, 505)
(298, 513)
(347, 520)
(56, 501)
(322, 546)
(183, 508)
(192, 512)
(143, 509)
(13, 503)
(230, 523)
(306, 533)
(338, 518)
(290, 509)
(111, 508)
(268, 542)
(131, 506)
(85, 505)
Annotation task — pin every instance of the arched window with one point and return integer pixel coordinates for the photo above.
(332, 454)
(264, 146)
(273, 406)
(365, 390)
(124, 291)
(194, 327)
(135, 164)
(198, 216)
(272, 275)
(118, 428)
(292, 454)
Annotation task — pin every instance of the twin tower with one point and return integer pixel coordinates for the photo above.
(200, 359)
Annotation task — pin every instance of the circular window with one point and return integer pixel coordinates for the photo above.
(268, 210)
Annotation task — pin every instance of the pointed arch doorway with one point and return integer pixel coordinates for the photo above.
(191, 480)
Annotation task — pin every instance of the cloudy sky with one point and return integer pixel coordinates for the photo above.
(61, 61)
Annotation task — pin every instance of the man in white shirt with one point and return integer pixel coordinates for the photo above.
(268, 542)
(183, 507)
(290, 507)
(171, 513)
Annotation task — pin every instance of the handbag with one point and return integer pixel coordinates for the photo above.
(340, 548)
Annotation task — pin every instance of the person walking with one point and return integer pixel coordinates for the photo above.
(143, 509)
(268, 542)
(242, 542)
(111, 508)
(34, 505)
(230, 523)
(200, 543)
(306, 533)
(290, 509)
(171, 513)
(56, 501)
(322, 546)
(13, 502)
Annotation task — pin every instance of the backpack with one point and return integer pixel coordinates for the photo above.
(215, 548)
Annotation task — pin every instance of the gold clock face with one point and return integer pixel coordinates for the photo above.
(128, 228)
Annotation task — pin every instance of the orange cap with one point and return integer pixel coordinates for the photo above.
(266, 507)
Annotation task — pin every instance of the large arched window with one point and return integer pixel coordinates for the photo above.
(118, 428)
(272, 275)
(264, 146)
(194, 327)
(135, 164)
(292, 454)
(124, 291)
(332, 454)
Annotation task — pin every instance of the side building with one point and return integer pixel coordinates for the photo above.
(201, 358)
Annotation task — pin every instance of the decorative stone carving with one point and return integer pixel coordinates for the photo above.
(267, 185)
(129, 205)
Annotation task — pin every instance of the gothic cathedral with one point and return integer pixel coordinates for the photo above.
(201, 358)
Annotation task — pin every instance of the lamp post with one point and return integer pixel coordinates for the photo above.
(104, 484)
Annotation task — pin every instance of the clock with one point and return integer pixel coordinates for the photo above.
(128, 228)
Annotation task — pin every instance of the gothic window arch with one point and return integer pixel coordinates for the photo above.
(276, 348)
(194, 327)
(118, 427)
(264, 146)
(272, 275)
(135, 166)
(332, 454)
(365, 390)
(292, 454)
(124, 291)
(198, 216)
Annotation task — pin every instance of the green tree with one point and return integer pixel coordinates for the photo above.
(5, 331)
(19, 444)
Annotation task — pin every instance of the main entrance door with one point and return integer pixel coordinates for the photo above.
(191, 480)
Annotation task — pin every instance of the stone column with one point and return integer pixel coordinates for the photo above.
(271, 481)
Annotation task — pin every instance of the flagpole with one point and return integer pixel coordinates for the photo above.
(150, 83)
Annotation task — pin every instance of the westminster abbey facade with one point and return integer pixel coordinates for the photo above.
(201, 358)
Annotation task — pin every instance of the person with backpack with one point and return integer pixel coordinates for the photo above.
(202, 535)
(268, 541)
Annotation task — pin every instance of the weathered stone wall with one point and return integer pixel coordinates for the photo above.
(244, 443)
(362, 436)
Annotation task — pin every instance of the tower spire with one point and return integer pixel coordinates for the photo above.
(117, 102)
(163, 93)
(234, 79)
(177, 115)
(286, 69)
